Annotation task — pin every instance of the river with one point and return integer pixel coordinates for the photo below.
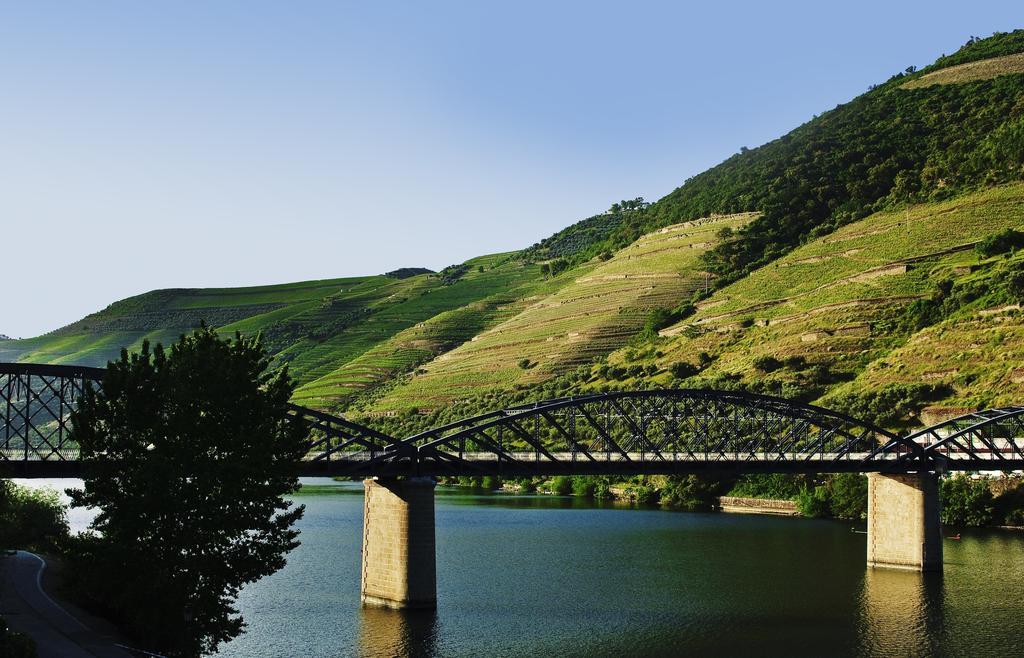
(538, 575)
(524, 575)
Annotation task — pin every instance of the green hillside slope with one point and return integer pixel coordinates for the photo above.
(889, 316)
(860, 303)
(602, 309)
(399, 355)
(312, 326)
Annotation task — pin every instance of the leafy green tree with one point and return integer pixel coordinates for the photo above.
(848, 494)
(814, 501)
(561, 485)
(692, 493)
(966, 501)
(33, 519)
(584, 485)
(188, 456)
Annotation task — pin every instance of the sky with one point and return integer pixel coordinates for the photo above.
(208, 144)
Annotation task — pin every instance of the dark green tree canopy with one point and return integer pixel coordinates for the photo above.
(188, 455)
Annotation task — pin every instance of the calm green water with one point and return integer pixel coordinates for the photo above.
(535, 575)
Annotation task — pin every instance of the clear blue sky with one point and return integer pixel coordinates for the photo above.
(150, 145)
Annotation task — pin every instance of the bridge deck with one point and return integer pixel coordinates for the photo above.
(481, 465)
(658, 431)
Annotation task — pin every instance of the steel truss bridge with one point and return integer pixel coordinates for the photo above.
(621, 433)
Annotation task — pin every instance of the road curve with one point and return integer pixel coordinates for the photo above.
(29, 609)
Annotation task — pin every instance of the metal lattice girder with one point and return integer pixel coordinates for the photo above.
(37, 401)
(658, 431)
(635, 432)
(993, 438)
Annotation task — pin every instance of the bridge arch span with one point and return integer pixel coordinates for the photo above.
(978, 440)
(657, 431)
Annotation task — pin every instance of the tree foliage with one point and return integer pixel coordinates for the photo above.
(188, 456)
(1000, 243)
(32, 519)
(692, 493)
(966, 501)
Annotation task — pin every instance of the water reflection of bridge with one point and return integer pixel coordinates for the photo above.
(620, 433)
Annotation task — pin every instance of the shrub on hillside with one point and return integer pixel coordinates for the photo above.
(813, 502)
(894, 405)
(838, 496)
(561, 485)
(1000, 243)
(767, 364)
(778, 486)
(589, 486)
(683, 370)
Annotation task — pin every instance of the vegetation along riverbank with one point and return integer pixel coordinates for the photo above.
(966, 501)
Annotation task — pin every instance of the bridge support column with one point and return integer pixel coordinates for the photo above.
(904, 530)
(398, 543)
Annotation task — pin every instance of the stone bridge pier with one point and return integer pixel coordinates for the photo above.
(904, 530)
(399, 569)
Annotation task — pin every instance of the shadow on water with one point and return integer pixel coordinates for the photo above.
(901, 612)
(400, 633)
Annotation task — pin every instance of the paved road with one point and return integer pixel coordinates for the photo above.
(30, 610)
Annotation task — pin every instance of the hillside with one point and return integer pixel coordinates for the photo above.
(400, 354)
(985, 69)
(602, 308)
(888, 317)
(899, 297)
(312, 326)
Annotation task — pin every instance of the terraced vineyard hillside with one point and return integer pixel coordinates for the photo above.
(161, 315)
(400, 354)
(852, 301)
(602, 309)
(985, 69)
(313, 326)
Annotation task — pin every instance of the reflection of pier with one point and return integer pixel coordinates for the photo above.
(899, 612)
(404, 633)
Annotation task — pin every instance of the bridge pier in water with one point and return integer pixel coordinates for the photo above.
(904, 529)
(399, 569)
